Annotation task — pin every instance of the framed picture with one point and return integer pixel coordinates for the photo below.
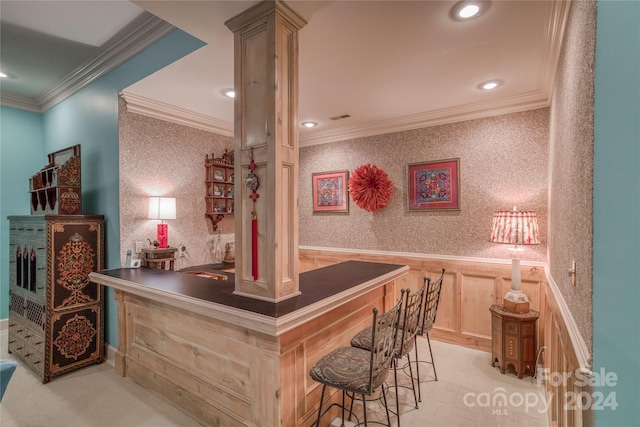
(434, 185)
(330, 192)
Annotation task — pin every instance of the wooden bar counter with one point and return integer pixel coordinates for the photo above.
(230, 360)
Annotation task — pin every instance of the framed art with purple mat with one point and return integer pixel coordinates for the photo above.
(433, 185)
(330, 193)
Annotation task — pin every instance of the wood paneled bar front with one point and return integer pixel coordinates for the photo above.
(230, 360)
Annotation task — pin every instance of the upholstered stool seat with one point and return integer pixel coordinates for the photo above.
(347, 368)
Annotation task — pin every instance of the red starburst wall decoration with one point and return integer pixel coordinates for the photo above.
(370, 188)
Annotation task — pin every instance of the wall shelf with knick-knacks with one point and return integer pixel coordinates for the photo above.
(219, 187)
(56, 188)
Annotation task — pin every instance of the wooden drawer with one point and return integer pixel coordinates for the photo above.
(16, 345)
(32, 357)
(34, 339)
(16, 329)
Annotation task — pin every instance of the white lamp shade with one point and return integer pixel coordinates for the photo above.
(162, 208)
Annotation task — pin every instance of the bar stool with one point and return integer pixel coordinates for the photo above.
(358, 371)
(431, 302)
(408, 328)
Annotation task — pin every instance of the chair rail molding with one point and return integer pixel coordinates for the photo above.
(424, 256)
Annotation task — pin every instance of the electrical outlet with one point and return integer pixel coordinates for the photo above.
(182, 250)
(139, 246)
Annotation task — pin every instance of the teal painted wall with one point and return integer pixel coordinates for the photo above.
(90, 118)
(22, 154)
(616, 213)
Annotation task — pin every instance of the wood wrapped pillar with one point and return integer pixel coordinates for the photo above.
(266, 124)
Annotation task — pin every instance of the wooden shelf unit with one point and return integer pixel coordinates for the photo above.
(56, 188)
(219, 187)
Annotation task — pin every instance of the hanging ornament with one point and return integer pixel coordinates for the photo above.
(252, 183)
(370, 188)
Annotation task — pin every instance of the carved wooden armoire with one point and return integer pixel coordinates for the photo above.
(56, 315)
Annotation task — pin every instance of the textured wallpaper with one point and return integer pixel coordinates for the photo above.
(159, 158)
(503, 163)
(571, 166)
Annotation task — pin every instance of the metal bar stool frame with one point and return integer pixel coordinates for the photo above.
(358, 371)
(430, 310)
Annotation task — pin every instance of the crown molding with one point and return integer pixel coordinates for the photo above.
(19, 102)
(554, 38)
(131, 40)
(159, 110)
(530, 101)
(540, 98)
(128, 42)
(169, 113)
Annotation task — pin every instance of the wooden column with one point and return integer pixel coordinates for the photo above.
(266, 123)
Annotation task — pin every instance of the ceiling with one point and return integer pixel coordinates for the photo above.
(389, 65)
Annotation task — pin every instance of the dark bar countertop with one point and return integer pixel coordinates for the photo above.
(338, 282)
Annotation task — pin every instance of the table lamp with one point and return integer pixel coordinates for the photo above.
(515, 228)
(162, 208)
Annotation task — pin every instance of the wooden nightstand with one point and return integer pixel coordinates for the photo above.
(163, 259)
(514, 339)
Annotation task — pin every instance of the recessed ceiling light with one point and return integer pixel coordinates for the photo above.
(3, 75)
(309, 124)
(230, 93)
(490, 84)
(468, 9)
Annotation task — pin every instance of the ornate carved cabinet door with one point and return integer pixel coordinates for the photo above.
(76, 303)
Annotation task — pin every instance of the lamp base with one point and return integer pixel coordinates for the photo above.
(163, 235)
(516, 302)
